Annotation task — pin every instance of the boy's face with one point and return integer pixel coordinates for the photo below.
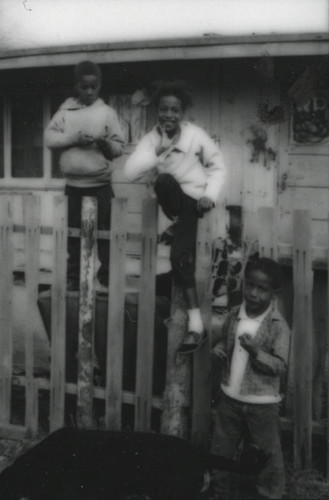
(88, 87)
(170, 114)
(258, 292)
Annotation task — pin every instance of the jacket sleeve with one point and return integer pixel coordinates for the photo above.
(212, 160)
(55, 135)
(275, 362)
(115, 138)
(143, 159)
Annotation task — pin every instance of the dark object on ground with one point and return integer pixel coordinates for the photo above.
(101, 465)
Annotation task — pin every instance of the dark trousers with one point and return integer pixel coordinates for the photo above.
(261, 423)
(174, 202)
(104, 194)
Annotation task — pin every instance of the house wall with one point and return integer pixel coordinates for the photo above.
(229, 98)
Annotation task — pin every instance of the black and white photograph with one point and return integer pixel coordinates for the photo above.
(164, 249)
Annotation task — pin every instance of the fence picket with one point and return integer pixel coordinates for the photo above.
(201, 385)
(6, 297)
(177, 394)
(327, 470)
(58, 314)
(87, 313)
(116, 307)
(302, 338)
(31, 204)
(146, 315)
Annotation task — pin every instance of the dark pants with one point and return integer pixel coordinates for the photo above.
(104, 194)
(261, 423)
(174, 202)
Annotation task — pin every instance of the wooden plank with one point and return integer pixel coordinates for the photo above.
(99, 392)
(146, 316)
(135, 193)
(302, 338)
(6, 297)
(58, 314)
(267, 235)
(184, 49)
(177, 395)
(31, 211)
(306, 198)
(307, 170)
(201, 382)
(327, 469)
(87, 313)
(116, 307)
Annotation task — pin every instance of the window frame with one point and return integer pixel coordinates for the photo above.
(46, 182)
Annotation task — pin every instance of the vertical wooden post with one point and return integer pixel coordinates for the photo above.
(31, 204)
(327, 470)
(58, 314)
(267, 234)
(6, 297)
(87, 313)
(177, 397)
(146, 314)
(201, 385)
(116, 307)
(302, 338)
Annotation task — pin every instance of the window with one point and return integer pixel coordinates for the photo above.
(27, 135)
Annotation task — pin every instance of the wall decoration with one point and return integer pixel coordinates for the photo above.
(310, 121)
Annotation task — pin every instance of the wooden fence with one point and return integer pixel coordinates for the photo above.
(111, 392)
(185, 402)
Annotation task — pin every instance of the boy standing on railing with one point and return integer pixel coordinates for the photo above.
(88, 134)
(189, 173)
(254, 351)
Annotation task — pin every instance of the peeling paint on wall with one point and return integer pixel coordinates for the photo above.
(260, 150)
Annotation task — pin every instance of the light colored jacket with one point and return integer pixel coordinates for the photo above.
(85, 166)
(264, 374)
(194, 161)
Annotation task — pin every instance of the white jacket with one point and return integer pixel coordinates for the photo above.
(84, 166)
(194, 161)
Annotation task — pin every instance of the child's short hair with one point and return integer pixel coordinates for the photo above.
(175, 88)
(267, 266)
(86, 68)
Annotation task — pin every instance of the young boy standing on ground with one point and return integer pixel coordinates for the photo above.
(254, 350)
(189, 174)
(88, 134)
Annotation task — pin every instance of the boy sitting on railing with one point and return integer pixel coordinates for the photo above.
(254, 351)
(189, 174)
(87, 133)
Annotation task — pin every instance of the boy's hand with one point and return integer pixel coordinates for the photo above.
(248, 343)
(204, 205)
(103, 145)
(219, 352)
(165, 142)
(85, 139)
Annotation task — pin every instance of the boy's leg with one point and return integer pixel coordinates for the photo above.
(73, 244)
(264, 430)
(104, 196)
(169, 195)
(175, 203)
(226, 437)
